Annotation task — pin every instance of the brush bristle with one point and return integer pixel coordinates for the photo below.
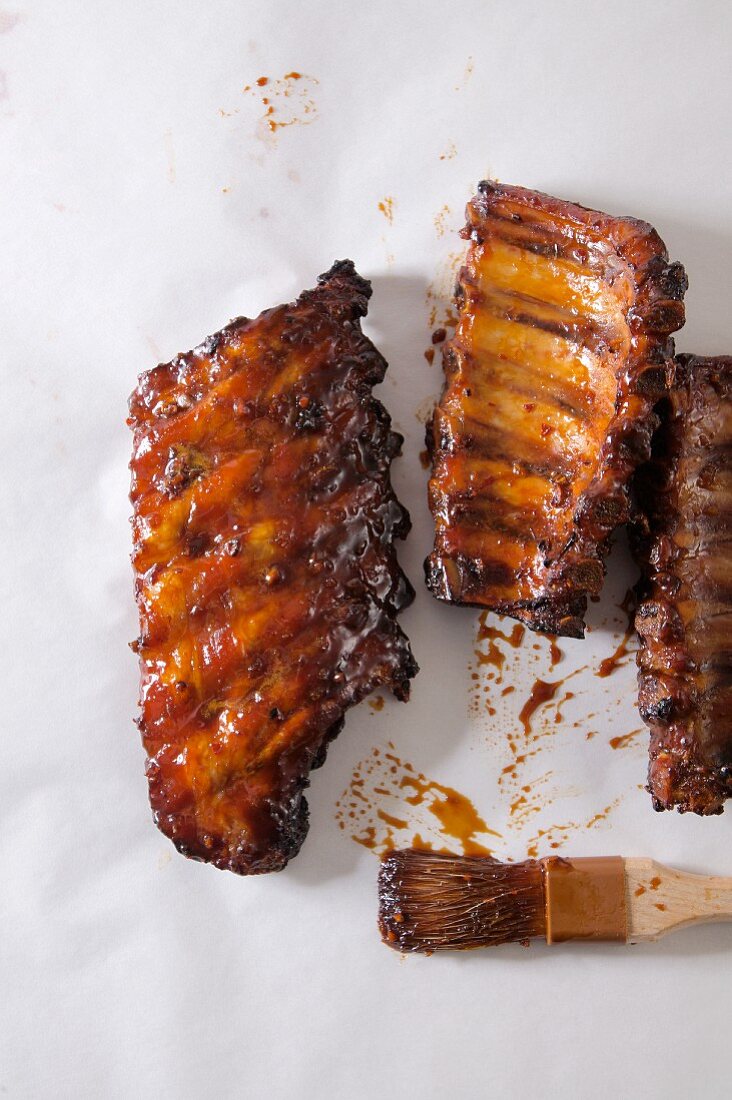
(430, 901)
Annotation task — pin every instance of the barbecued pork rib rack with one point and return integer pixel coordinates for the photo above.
(684, 618)
(266, 575)
(561, 350)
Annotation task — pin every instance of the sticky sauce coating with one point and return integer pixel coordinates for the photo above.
(266, 576)
(560, 351)
(685, 616)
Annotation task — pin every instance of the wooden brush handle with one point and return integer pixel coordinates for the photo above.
(661, 899)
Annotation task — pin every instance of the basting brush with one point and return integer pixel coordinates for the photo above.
(432, 901)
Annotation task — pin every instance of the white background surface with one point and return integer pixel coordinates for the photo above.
(126, 973)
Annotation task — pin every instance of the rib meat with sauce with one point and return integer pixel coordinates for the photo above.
(266, 575)
(684, 618)
(561, 350)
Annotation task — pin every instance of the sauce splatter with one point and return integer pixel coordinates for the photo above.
(624, 740)
(286, 101)
(386, 206)
(441, 220)
(609, 664)
(377, 703)
(556, 836)
(450, 152)
(542, 692)
(372, 809)
(424, 458)
(430, 355)
(495, 655)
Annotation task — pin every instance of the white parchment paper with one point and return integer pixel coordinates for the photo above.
(144, 203)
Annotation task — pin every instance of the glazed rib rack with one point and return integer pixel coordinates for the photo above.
(266, 575)
(561, 350)
(684, 619)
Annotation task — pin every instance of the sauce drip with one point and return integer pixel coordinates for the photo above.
(609, 664)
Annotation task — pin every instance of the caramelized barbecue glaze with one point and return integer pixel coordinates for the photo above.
(266, 575)
(561, 349)
(685, 617)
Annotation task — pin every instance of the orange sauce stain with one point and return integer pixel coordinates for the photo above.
(372, 808)
(287, 102)
(624, 739)
(494, 655)
(449, 153)
(660, 905)
(377, 703)
(655, 882)
(424, 458)
(640, 890)
(396, 822)
(386, 206)
(601, 816)
(441, 220)
(368, 839)
(430, 355)
(556, 836)
(455, 812)
(609, 664)
(542, 692)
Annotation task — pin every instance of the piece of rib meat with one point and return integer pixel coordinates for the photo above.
(266, 575)
(684, 619)
(561, 350)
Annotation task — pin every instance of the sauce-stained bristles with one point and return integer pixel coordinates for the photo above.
(430, 901)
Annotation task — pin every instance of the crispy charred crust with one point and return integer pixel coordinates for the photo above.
(547, 405)
(266, 574)
(682, 540)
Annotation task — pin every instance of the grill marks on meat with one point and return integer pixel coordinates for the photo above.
(561, 350)
(266, 575)
(685, 617)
